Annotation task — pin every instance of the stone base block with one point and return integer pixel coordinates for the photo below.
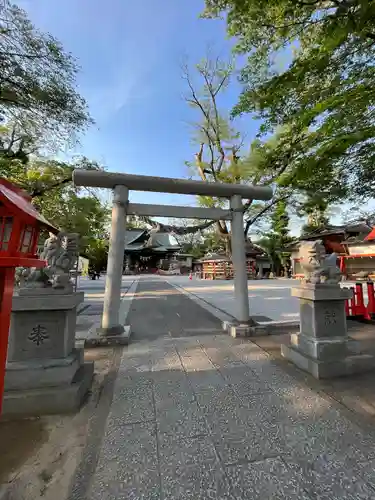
(236, 330)
(97, 339)
(324, 369)
(50, 400)
(36, 374)
(322, 349)
(260, 330)
(239, 331)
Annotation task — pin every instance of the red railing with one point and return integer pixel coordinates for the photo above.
(356, 306)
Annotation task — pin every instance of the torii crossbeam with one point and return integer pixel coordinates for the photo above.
(122, 183)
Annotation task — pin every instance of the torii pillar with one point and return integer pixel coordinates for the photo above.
(111, 327)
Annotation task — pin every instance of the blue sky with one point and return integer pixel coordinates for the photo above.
(130, 54)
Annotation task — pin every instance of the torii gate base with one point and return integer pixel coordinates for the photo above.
(112, 330)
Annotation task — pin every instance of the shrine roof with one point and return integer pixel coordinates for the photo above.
(132, 235)
(135, 240)
(348, 231)
(361, 238)
(371, 236)
(20, 201)
(253, 249)
(167, 240)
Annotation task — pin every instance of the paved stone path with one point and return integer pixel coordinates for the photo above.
(211, 417)
(160, 310)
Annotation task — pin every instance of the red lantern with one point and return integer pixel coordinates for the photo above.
(20, 225)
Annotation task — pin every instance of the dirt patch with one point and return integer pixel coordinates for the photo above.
(39, 456)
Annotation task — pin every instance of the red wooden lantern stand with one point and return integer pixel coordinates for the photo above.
(20, 225)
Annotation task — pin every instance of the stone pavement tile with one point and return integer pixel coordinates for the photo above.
(310, 425)
(166, 359)
(221, 341)
(170, 393)
(313, 424)
(244, 381)
(196, 361)
(271, 407)
(145, 485)
(245, 445)
(350, 448)
(189, 469)
(127, 384)
(196, 483)
(193, 357)
(280, 381)
(366, 472)
(132, 401)
(206, 384)
(250, 353)
(128, 464)
(325, 476)
(134, 364)
(183, 420)
(265, 480)
(180, 453)
(263, 407)
(212, 400)
(222, 357)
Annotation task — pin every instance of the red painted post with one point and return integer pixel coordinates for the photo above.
(371, 299)
(6, 290)
(342, 264)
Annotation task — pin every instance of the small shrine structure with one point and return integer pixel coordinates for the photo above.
(359, 259)
(334, 238)
(217, 266)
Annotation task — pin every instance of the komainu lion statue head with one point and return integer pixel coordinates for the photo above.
(312, 255)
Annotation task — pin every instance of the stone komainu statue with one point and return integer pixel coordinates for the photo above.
(60, 252)
(65, 260)
(317, 265)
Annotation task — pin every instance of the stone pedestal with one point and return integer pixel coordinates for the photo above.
(322, 346)
(45, 369)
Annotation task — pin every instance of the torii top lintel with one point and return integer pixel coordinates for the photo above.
(94, 178)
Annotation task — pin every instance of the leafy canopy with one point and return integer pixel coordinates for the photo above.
(49, 182)
(37, 78)
(311, 69)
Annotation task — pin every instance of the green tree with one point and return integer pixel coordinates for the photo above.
(96, 251)
(310, 69)
(277, 237)
(21, 163)
(220, 156)
(213, 243)
(280, 221)
(316, 209)
(49, 182)
(37, 79)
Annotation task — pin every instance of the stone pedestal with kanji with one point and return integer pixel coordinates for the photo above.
(322, 346)
(45, 371)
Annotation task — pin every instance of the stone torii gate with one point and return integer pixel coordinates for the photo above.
(122, 183)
